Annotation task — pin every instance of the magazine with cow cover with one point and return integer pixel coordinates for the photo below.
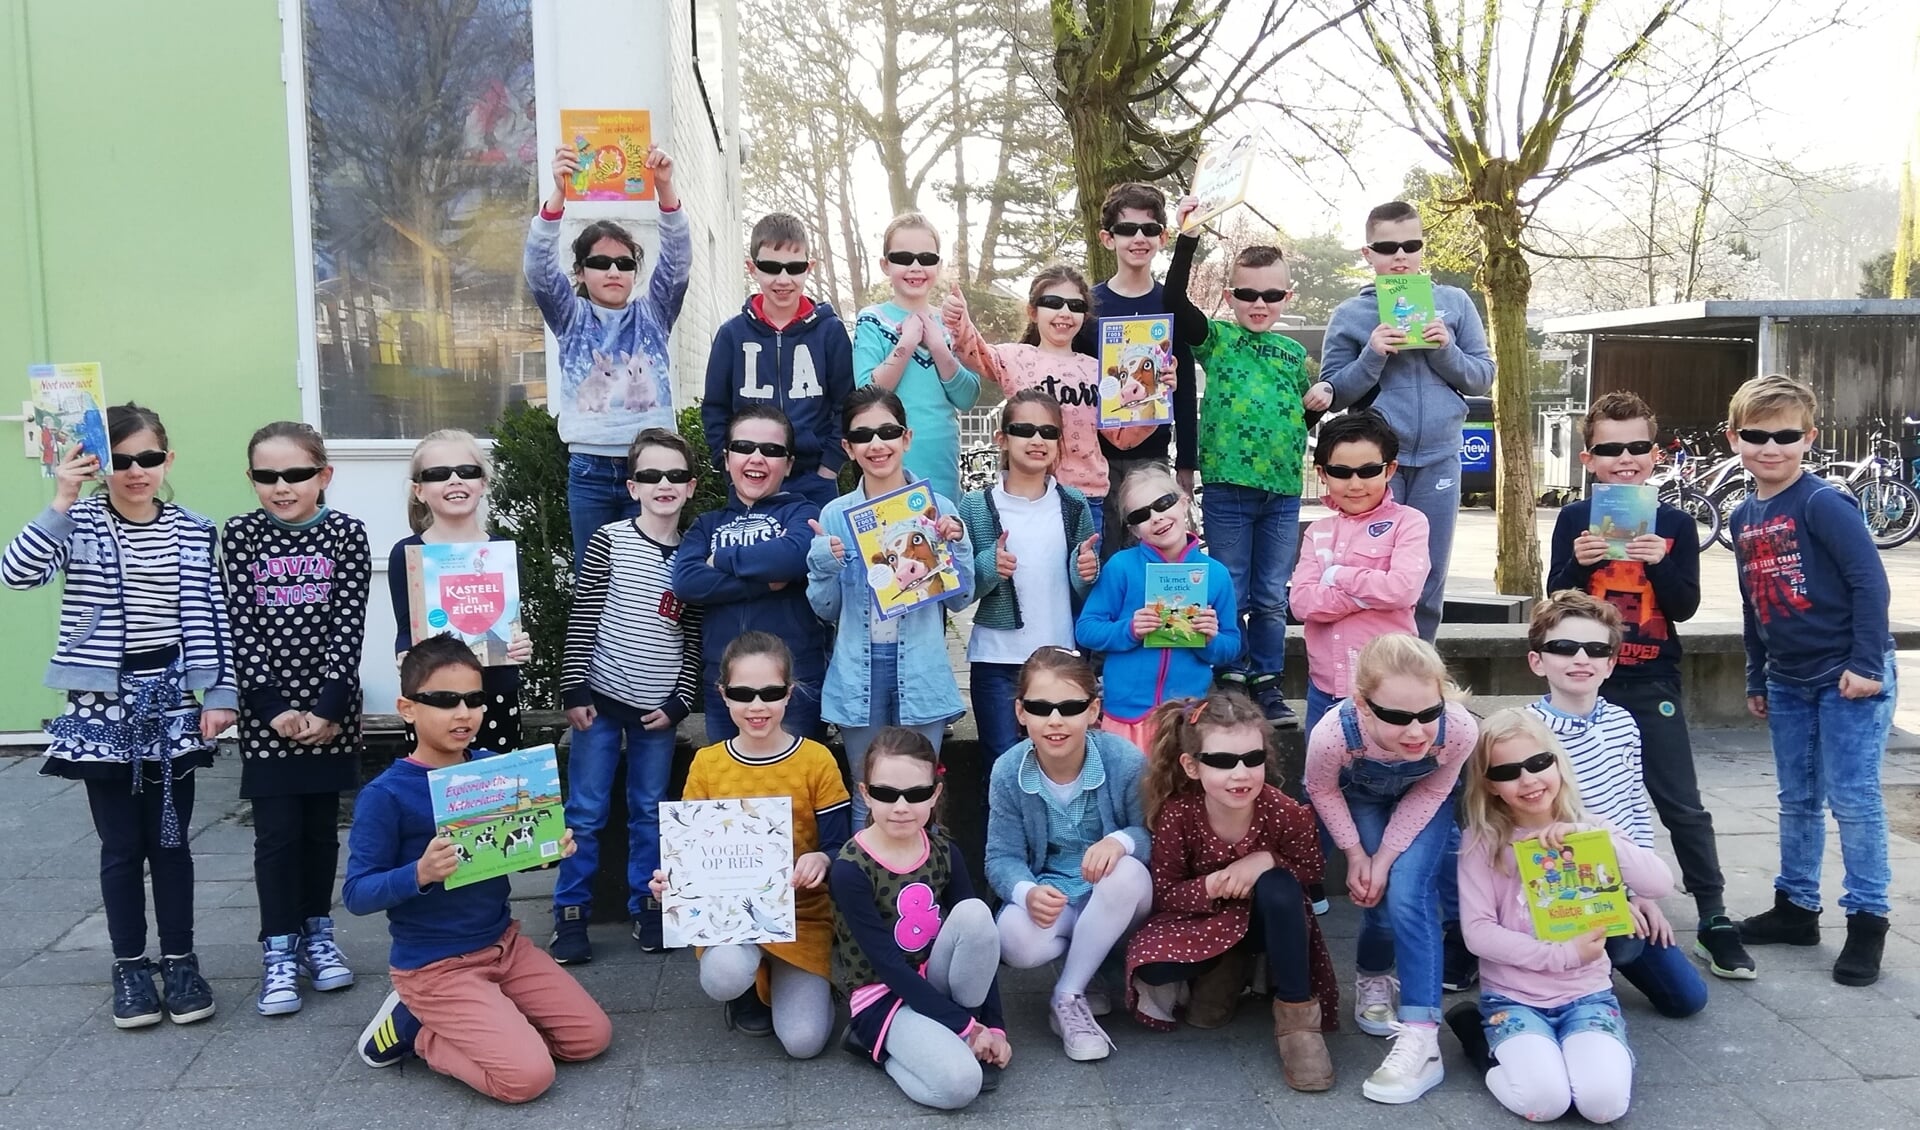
(467, 589)
(502, 811)
(908, 563)
(729, 869)
(1136, 368)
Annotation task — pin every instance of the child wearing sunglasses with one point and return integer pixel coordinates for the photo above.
(906, 346)
(1232, 856)
(1066, 843)
(1420, 390)
(631, 673)
(1253, 440)
(471, 995)
(915, 953)
(1547, 1008)
(745, 564)
(776, 987)
(1820, 670)
(1381, 772)
(615, 373)
(297, 578)
(143, 628)
(1028, 517)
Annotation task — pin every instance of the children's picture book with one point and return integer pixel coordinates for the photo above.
(469, 589)
(69, 406)
(503, 812)
(1406, 301)
(1136, 360)
(1576, 889)
(1176, 593)
(612, 146)
(729, 866)
(1620, 512)
(1220, 179)
(908, 563)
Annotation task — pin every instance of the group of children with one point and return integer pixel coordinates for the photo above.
(1150, 854)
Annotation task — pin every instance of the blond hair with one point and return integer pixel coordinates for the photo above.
(904, 221)
(1772, 395)
(1571, 604)
(1144, 473)
(1485, 818)
(1383, 657)
(419, 514)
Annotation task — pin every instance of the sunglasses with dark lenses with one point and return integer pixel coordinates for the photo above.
(292, 474)
(469, 471)
(1395, 247)
(1270, 297)
(1783, 437)
(1067, 708)
(1364, 470)
(1252, 759)
(447, 700)
(1510, 770)
(1127, 228)
(1406, 717)
(1612, 450)
(674, 475)
(625, 263)
(777, 267)
(765, 694)
(1595, 649)
(1159, 505)
(1023, 430)
(887, 794)
(147, 459)
(748, 447)
(909, 258)
(1061, 302)
(859, 437)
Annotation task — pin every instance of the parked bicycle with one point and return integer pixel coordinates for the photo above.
(1890, 506)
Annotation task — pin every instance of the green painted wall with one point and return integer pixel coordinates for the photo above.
(144, 171)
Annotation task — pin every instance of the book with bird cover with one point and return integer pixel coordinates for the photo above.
(1576, 889)
(1620, 512)
(1407, 301)
(503, 812)
(1136, 364)
(467, 589)
(1176, 593)
(612, 147)
(69, 406)
(729, 868)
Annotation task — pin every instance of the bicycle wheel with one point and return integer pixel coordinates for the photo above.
(1892, 510)
(1725, 501)
(1705, 515)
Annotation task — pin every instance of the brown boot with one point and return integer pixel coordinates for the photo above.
(1304, 1062)
(1216, 993)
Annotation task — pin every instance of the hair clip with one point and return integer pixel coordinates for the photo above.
(1193, 715)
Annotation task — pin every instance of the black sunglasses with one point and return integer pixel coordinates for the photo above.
(1022, 430)
(265, 477)
(1510, 770)
(447, 700)
(1126, 228)
(1060, 302)
(765, 694)
(1611, 450)
(777, 267)
(147, 459)
(1394, 247)
(1783, 437)
(887, 794)
(1159, 505)
(625, 263)
(470, 471)
(1252, 759)
(1597, 649)
(748, 447)
(655, 474)
(1066, 708)
(862, 436)
(909, 258)
(1364, 470)
(1405, 717)
(1270, 297)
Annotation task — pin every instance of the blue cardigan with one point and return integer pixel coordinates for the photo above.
(1017, 819)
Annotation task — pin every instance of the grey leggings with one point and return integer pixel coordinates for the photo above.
(802, 1001)
(931, 1063)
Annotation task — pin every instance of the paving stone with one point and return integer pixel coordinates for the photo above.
(1851, 1103)
(96, 1110)
(669, 1096)
(141, 1059)
(1881, 1049)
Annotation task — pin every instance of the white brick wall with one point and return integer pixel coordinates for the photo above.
(704, 177)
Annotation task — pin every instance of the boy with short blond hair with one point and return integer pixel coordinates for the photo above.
(1820, 670)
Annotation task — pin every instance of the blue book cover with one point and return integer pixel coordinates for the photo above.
(1620, 512)
(503, 812)
(1176, 593)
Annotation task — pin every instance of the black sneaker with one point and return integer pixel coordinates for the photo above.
(1718, 943)
(646, 928)
(189, 997)
(990, 1077)
(1859, 962)
(1459, 967)
(136, 1004)
(1464, 1020)
(748, 1015)
(570, 944)
(1274, 705)
(1786, 924)
(388, 1037)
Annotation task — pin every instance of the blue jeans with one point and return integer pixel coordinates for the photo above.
(1827, 751)
(1505, 1018)
(1663, 973)
(596, 496)
(994, 687)
(1318, 703)
(1404, 931)
(1253, 533)
(1097, 510)
(802, 719)
(591, 763)
(884, 673)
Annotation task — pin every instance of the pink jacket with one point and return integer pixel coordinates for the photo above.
(1359, 577)
(1493, 916)
(1327, 754)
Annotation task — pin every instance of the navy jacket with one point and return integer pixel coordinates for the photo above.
(805, 369)
(750, 549)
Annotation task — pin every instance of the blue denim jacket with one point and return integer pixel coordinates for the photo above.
(928, 692)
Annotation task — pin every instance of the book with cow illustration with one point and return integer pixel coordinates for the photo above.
(1136, 361)
(612, 147)
(503, 812)
(1176, 593)
(1620, 512)
(69, 406)
(1407, 301)
(907, 562)
(1576, 889)
(469, 589)
(729, 867)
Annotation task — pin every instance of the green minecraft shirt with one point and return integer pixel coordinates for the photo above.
(1253, 429)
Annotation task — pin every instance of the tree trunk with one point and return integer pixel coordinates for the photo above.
(1100, 159)
(1508, 282)
(889, 140)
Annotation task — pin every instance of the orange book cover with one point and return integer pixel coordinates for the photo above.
(612, 146)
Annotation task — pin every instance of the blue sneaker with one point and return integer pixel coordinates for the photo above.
(570, 944)
(389, 1037)
(135, 1002)
(189, 997)
(320, 960)
(280, 976)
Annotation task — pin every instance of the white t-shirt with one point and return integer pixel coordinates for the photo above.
(1037, 538)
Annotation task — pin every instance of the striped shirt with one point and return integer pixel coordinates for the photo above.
(150, 578)
(1604, 748)
(629, 638)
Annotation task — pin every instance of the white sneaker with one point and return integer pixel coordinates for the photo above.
(1411, 1069)
(1373, 1006)
(1080, 1034)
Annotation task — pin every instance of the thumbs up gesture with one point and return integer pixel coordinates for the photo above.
(834, 543)
(1088, 562)
(953, 308)
(1004, 563)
